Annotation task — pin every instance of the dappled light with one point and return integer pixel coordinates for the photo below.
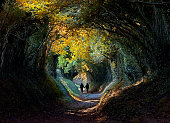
(84, 61)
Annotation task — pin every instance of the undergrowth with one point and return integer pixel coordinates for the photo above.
(150, 98)
(24, 94)
(71, 87)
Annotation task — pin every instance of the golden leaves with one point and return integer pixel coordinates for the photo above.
(82, 42)
(79, 41)
(38, 7)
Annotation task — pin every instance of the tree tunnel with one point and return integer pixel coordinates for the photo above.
(120, 47)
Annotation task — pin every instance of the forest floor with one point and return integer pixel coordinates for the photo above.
(79, 110)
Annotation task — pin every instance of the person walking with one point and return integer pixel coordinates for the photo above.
(87, 87)
(81, 87)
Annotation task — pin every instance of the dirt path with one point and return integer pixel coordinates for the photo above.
(87, 101)
(83, 108)
(80, 110)
(84, 101)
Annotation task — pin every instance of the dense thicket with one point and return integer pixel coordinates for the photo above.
(139, 29)
(135, 103)
(24, 83)
(123, 40)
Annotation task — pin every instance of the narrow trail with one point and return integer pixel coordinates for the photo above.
(85, 101)
(80, 109)
(85, 105)
(83, 109)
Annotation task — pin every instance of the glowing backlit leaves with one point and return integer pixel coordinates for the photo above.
(41, 8)
(37, 7)
(85, 67)
(113, 64)
(82, 43)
